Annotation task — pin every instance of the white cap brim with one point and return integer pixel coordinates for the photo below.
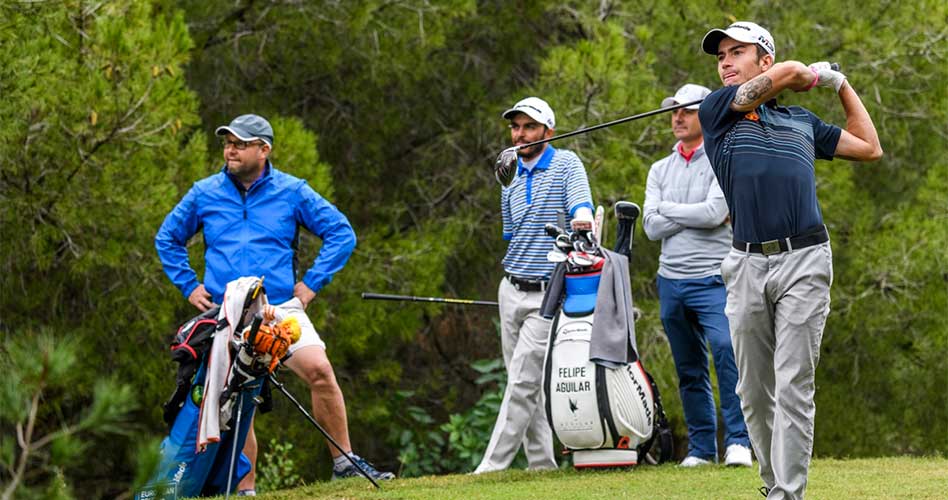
(525, 110)
(670, 101)
(713, 38)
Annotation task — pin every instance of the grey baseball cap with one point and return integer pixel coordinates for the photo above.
(249, 128)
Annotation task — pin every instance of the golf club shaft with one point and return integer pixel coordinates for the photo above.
(609, 124)
(325, 434)
(411, 298)
(834, 66)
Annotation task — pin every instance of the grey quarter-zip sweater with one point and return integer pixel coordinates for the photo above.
(685, 208)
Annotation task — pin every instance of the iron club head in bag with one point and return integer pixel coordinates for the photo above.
(556, 256)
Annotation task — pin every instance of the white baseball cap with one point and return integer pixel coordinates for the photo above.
(535, 108)
(688, 92)
(742, 31)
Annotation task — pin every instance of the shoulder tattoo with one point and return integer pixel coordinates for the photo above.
(752, 90)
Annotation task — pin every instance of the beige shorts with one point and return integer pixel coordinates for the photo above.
(308, 337)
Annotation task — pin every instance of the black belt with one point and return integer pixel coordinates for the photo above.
(527, 284)
(807, 239)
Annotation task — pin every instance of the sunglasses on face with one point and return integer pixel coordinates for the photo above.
(239, 145)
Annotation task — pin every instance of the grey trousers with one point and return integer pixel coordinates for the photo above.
(522, 417)
(777, 307)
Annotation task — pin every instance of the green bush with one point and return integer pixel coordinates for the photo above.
(457, 445)
(276, 470)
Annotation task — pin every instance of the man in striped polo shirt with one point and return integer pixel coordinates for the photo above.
(548, 180)
(685, 208)
(779, 271)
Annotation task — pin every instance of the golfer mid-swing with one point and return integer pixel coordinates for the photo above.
(779, 271)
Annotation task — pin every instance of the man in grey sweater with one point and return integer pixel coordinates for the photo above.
(685, 208)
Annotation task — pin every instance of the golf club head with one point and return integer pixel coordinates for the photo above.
(627, 210)
(626, 213)
(563, 243)
(556, 256)
(584, 241)
(579, 259)
(553, 230)
(505, 167)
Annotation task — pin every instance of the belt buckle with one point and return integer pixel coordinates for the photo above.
(770, 247)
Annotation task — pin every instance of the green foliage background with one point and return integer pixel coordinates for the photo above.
(391, 110)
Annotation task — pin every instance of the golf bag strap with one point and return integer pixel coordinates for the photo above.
(605, 409)
(547, 373)
(186, 371)
(663, 432)
(660, 418)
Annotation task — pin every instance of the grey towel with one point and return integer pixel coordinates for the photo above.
(613, 331)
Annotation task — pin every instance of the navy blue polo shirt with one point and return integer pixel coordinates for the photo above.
(764, 162)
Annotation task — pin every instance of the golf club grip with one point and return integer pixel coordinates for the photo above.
(254, 328)
(378, 296)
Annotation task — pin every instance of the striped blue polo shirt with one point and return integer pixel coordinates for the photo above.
(556, 182)
(764, 162)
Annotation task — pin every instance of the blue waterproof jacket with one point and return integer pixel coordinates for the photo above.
(253, 233)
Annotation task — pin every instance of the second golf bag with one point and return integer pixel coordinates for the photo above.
(601, 403)
(224, 356)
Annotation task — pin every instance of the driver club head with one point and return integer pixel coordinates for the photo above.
(505, 167)
(627, 210)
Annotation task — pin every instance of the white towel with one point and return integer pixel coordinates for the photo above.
(219, 361)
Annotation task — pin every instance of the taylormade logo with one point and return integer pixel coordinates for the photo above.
(643, 398)
(182, 467)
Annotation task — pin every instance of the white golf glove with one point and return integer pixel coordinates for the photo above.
(827, 77)
(583, 219)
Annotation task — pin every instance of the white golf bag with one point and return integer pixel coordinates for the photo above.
(605, 414)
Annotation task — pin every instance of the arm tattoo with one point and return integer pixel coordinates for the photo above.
(753, 90)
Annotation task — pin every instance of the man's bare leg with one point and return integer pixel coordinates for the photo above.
(329, 408)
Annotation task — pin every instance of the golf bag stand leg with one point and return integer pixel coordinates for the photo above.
(234, 451)
(279, 385)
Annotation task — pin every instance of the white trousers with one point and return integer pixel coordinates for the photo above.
(522, 417)
(777, 306)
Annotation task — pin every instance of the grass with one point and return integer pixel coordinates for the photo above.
(874, 478)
